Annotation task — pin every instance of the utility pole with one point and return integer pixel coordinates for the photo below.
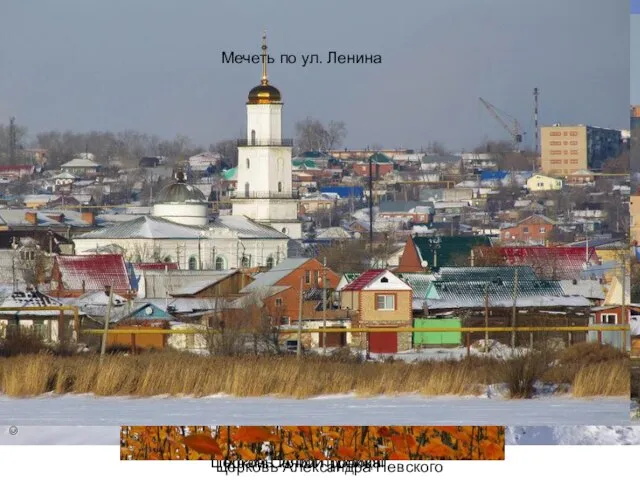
(513, 313)
(107, 319)
(486, 317)
(299, 351)
(324, 305)
(624, 300)
(371, 205)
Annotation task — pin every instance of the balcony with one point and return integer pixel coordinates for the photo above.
(265, 195)
(260, 142)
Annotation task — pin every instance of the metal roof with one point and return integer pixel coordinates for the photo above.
(363, 280)
(277, 273)
(93, 272)
(487, 274)
(145, 226)
(543, 293)
(419, 282)
(247, 228)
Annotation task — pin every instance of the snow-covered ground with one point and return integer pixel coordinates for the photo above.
(635, 411)
(72, 410)
(573, 435)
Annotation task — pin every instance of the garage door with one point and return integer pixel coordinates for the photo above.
(334, 339)
(383, 342)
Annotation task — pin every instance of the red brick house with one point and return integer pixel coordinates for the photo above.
(279, 288)
(381, 165)
(533, 230)
(380, 299)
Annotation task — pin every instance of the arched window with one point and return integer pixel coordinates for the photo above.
(253, 137)
(285, 231)
(220, 263)
(279, 187)
(193, 263)
(269, 261)
(248, 164)
(167, 259)
(246, 189)
(246, 261)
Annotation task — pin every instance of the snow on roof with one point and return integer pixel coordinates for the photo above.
(80, 163)
(31, 299)
(246, 228)
(277, 273)
(193, 288)
(16, 216)
(145, 226)
(363, 280)
(93, 272)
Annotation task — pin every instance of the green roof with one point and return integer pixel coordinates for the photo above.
(419, 282)
(230, 174)
(304, 162)
(448, 251)
(487, 274)
(379, 158)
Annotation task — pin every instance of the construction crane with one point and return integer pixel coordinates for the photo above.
(512, 125)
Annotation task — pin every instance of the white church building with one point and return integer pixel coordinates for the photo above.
(264, 210)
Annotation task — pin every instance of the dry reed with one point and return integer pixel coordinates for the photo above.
(171, 373)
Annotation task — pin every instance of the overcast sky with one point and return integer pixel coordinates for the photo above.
(155, 65)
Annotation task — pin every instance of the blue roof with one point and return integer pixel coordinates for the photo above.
(344, 191)
(491, 175)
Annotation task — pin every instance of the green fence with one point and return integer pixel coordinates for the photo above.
(427, 339)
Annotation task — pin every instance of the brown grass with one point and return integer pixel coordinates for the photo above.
(609, 378)
(171, 373)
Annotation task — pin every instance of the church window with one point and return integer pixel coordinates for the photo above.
(279, 187)
(269, 261)
(246, 261)
(248, 164)
(167, 259)
(220, 263)
(253, 137)
(193, 263)
(246, 189)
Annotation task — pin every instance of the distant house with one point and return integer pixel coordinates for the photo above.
(14, 172)
(203, 161)
(380, 299)
(74, 275)
(381, 165)
(280, 286)
(533, 230)
(50, 325)
(345, 191)
(150, 162)
(81, 167)
(433, 252)
(543, 183)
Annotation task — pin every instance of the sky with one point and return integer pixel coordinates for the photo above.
(156, 66)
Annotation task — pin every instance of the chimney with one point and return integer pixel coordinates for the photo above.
(89, 217)
(31, 217)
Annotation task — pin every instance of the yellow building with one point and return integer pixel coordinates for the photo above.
(542, 183)
(568, 148)
(634, 219)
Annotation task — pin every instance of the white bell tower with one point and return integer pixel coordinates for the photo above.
(264, 192)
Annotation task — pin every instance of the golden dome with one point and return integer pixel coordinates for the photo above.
(264, 93)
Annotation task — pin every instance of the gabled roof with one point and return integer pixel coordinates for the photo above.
(80, 163)
(377, 279)
(195, 287)
(95, 271)
(145, 226)
(378, 157)
(536, 218)
(419, 282)
(277, 273)
(31, 299)
(247, 228)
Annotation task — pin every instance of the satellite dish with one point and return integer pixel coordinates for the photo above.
(424, 264)
(148, 310)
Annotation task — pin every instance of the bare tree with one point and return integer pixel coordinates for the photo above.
(311, 135)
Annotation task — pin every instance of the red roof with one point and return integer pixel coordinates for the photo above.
(363, 280)
(156, 266)
(560, 263)
(96, 271)
(16, 168)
